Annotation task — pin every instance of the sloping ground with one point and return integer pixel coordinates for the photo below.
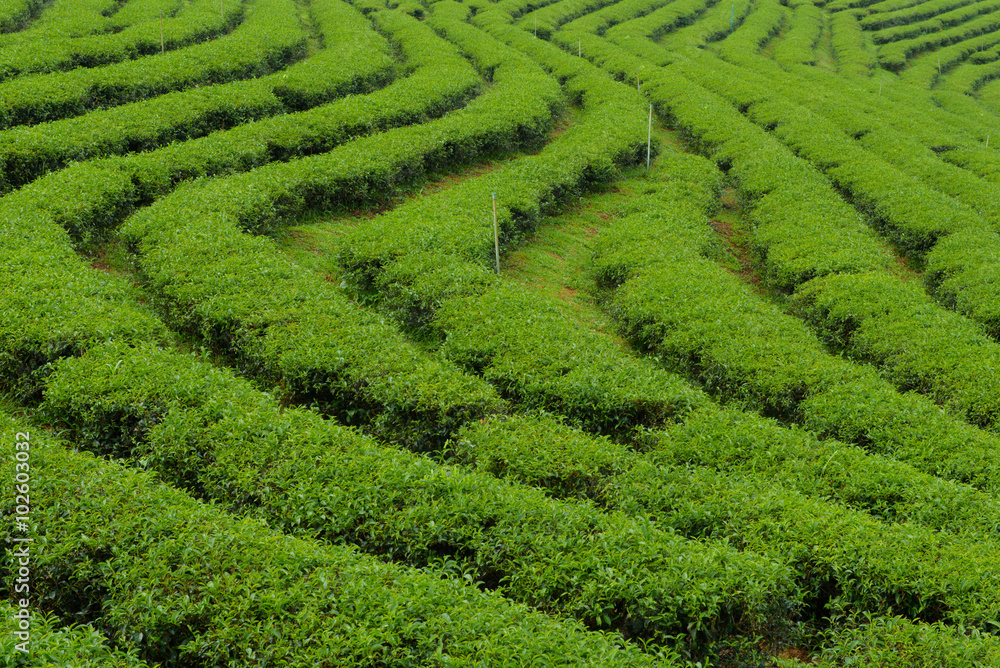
(582, 332)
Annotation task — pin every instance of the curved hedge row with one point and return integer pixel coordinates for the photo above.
(75, 18)
(926, 73)
(760, 25)
(278, 321)
(838, 564)
(51, 303)
(895, 641)
(707, 323)
(427, 263)
(97, 205)
(542, 451)
(599, 21)
(270, 38)
(853, 59)
(661, 21)
(15, 14)
(133, 37)
(430, 91)
(965, 387)
(802, 226)
(551, 16)
(357, 65)
(951, 239)
(879, 319)
(893, 56)
(969, 77)
(613, 132)
(885, 16)
(51, 644)
(179, 582)
(827, 470)
(799, 44)
(354, 58)
(206, 431)
(538, 357)
(712, 26)
(945, 13)
(977, 403)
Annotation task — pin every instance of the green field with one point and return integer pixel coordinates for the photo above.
(516, 333)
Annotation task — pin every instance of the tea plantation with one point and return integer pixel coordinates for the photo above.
(500, 333)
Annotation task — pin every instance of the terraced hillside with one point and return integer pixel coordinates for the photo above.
(638, 333)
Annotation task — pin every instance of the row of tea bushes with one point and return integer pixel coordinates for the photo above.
(877, 318)
(917, 160)
(204, 430)
(179, 582)
(965, 387)
(569, 156)
(895, 55)
(281, 324)
(354, 59)
(884, 15)
(946, 132)
(925, 73)
(798, 47)
(597, 22)
(848, 41)
(927, 363)
(51, 644)
(954, 241)
(76, 18)
(544, 451)
(611, 133)
(969, 77)
(239, 295)
(705, 322)
(427, 264)
(539, 358)
(763, 23)
(881, 641)
(350, 66)
(659, 22)
(893, 491)
(930, 17)
(270, 38)
(15, 14)
(803, 228)
(51, 303)
(133, 36)
(844, 559)
(553, 15)
(100, 196)
(712, 26)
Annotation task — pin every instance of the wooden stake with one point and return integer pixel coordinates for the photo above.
(161, 32)
(638, 90)
(987, 141)
(649, 137)
(496, 233)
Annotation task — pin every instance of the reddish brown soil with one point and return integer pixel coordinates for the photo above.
(797, 654)
(747, 272)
